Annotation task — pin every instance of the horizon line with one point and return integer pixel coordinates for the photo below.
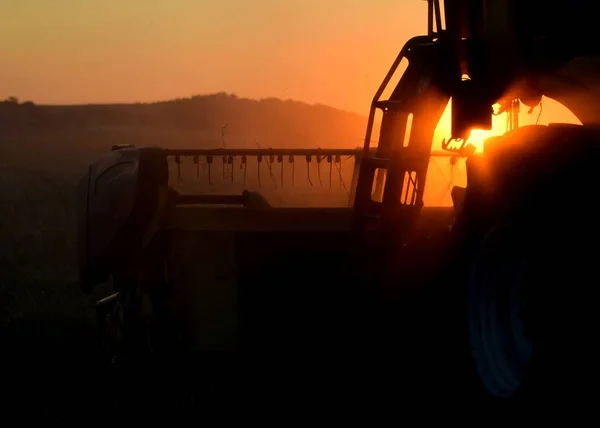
(175, 99)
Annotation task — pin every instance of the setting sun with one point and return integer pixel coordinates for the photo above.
(478, 136)
(547, 112)
(443, 174)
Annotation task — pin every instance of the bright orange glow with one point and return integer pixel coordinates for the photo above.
(550, 111)
(477, 136)
(443, 174)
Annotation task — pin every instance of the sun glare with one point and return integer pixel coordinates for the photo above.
(442, 174)
(478, 136)
(548, 111)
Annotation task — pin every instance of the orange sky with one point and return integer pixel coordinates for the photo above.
(333, 52)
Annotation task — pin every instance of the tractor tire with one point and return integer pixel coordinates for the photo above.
(529, 257)
(531, 318)
(500, 345)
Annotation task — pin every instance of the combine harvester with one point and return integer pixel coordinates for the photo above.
(484, 299)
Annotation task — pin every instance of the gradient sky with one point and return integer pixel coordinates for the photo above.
(333, 52)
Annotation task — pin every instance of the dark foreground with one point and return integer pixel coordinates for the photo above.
(54, 371)
(314, 343)
(402, 364)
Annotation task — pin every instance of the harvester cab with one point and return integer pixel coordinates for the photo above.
(383, 275)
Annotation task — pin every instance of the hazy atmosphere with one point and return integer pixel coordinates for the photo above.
(65, 53)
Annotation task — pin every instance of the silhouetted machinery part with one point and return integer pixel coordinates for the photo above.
(131, 223)
(506, 291)
(483, 52)
(529, 228)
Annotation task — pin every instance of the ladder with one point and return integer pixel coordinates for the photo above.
(388, 195)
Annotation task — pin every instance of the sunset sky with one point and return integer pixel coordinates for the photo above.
(333, 52)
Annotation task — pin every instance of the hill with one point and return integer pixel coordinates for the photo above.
(195, 121)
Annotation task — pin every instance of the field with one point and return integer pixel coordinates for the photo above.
(46, 322)
(44, 151)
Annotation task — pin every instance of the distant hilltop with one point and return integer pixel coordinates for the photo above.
(209, 120)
